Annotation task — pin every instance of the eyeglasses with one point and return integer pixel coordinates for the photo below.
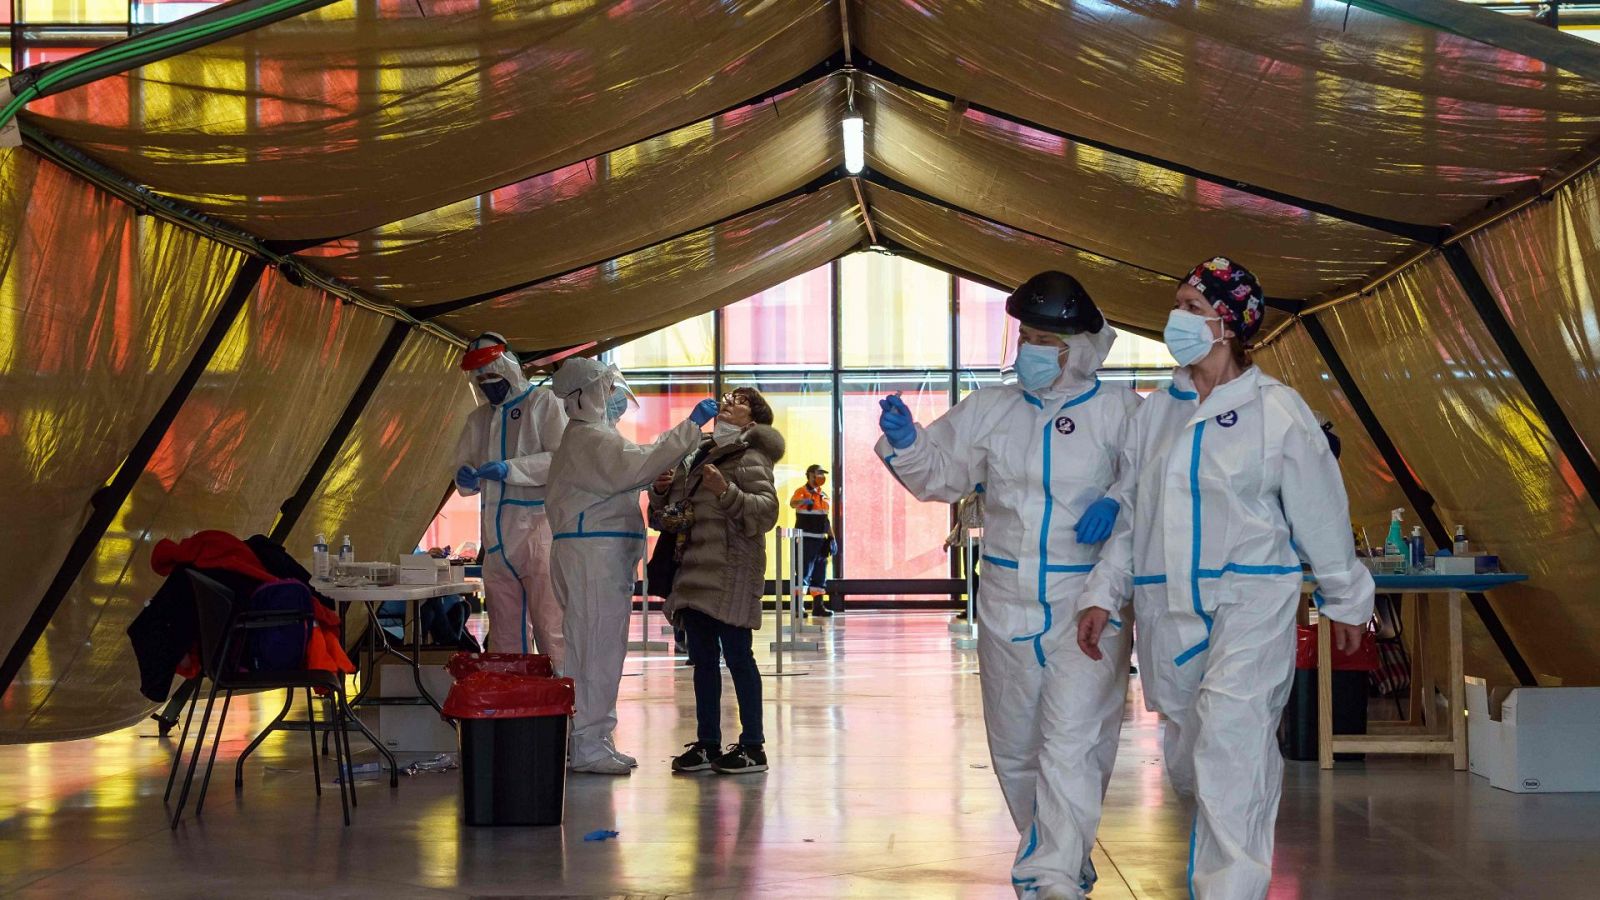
(732, 399)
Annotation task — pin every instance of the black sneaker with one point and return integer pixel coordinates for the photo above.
(740, 760)
(698, 759)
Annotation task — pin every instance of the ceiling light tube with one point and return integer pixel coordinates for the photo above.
(855, 144)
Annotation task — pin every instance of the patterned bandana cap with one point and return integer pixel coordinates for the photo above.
(1233, 291)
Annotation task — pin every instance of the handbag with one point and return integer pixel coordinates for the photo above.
(662, 567)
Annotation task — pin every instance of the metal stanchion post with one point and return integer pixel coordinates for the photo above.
(778, 603)
(797, 588)
(644, 643)
(968, 639)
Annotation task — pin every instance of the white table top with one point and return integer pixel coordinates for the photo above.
(410, 593)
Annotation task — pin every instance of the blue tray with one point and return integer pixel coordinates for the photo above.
(1472, 583)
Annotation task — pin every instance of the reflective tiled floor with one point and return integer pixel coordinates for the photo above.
(880, 788)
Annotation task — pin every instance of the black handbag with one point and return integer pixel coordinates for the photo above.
(662, 568)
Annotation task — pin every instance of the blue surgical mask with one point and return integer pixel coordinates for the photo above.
(616, 405)
(1188, 336)
(1038, 366)
(495, 389)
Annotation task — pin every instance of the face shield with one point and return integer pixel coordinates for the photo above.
(620, 401)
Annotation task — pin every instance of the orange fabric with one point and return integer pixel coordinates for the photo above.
(819, 500)
(324, 652)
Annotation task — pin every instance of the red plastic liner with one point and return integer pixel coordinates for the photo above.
(496, 695)
(1364, 659)
(532, 665)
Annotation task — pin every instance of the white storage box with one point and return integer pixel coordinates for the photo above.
(1466, 565)
(413, 729)
(417, 568)
(1533, 740)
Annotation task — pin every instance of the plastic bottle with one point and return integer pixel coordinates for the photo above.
(347, 552)
(1395, 543)
(1462, 547)
(1418, 550)
(321, 566)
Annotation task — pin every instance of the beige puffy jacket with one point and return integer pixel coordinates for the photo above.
(723, 572)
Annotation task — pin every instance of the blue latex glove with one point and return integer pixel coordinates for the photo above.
(703, 412)
(467, 478)
(896, 422)
(1098, 520)
(494, 471)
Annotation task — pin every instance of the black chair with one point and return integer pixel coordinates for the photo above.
(223, 625)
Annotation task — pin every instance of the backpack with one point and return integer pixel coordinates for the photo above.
(279, 648)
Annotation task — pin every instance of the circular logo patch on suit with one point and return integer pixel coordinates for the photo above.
(1228, 419)
(516, 413)
(1065, 425)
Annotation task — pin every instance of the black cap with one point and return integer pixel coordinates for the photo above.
(815, 469)
(1055, 302)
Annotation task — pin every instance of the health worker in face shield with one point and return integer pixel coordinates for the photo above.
(504, 456)
(1231, 482)
(595, 480)
(1044, 452)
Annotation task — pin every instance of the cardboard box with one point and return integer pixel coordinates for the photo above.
(413, 729)
(1534, 740)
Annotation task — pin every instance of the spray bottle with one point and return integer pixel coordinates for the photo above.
(1395, 543)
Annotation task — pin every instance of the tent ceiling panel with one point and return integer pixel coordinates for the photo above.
(240, 445)
(600, 208)
(1123, 208)
(1125, 294)
(1316, 99)
(676, 280)
(1444, 393)
(364, 113)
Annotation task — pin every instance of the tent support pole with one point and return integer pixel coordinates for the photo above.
(289, 514)
(107, 502)
(1505, 338)
(1421, 501)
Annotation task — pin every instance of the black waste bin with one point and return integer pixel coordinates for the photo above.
(1297, 731)
(513, 733)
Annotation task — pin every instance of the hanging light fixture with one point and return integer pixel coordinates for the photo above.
(855, 143)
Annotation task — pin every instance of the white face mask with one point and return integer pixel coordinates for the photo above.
(725, 433)
(1188, 336)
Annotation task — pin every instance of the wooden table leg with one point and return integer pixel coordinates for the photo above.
(1458, 700)
(1324, 695)
(1411, 625)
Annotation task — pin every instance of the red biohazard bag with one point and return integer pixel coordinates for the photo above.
(1364, 659)
(531, 665)
(496, 695)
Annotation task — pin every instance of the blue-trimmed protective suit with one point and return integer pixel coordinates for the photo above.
(599, 536)
(1053, 716)
(1222, 492)
(523, 431)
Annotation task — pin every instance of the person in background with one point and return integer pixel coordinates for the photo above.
(1231, 482)
(504, 453)
(1045, 450)
(595, 480)
(810, 505)
(722, 570)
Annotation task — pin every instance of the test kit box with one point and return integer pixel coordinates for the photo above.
(1534, 740)
(417, 568)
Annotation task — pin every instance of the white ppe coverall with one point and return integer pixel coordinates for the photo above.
(1222, 493)
(1053, 716)
(523, 432)
(599, 535)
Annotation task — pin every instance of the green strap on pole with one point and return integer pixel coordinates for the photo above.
(150, 47)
